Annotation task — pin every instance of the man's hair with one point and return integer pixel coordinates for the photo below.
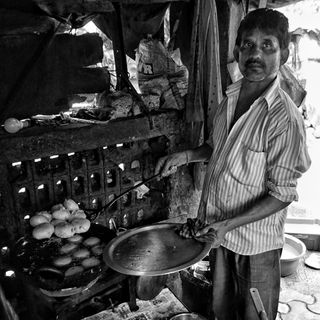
(269, 21)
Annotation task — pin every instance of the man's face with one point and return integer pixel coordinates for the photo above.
(259, 55)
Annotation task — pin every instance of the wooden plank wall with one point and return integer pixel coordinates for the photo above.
(40, 68)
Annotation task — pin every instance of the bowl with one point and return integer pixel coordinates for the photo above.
(293, 250)
(188, 316)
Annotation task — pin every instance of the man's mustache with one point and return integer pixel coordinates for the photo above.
(254, 61)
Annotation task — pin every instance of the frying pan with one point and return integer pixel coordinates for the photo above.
(34, 257)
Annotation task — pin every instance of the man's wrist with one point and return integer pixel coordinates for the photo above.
(228, 224)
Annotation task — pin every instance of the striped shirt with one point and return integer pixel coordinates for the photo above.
(264, 153)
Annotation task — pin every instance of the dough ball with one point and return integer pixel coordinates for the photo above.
(54, 222)
(62, 214)
(75, 239)
(45, 214)
(67, 248)
(64, 230)
(81, 225)
(43, 231)
(81, 254)
(97, 250)
(57, 207)
(62, 261)
(73, 270)
(77, 214)
(70, 205)
(36, 220)
(90, 262)
(91, 241)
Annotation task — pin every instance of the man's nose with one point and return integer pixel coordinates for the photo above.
(256, 51)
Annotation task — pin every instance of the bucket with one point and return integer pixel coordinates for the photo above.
(293, 250)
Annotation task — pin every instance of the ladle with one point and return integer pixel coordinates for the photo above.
(95, 213)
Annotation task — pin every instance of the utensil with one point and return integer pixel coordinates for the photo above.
(258, 304)
(93, 214)
(153, 250)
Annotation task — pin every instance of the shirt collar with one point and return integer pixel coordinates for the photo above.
(271, 92)
(268, 95)
(234, 88)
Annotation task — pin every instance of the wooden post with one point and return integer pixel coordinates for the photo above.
(119, 51)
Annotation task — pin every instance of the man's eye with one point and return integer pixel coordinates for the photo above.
(247, 45)
(267, 45)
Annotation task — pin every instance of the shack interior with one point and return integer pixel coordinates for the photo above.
(85, 116)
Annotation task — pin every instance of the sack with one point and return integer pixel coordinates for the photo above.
(161, 73)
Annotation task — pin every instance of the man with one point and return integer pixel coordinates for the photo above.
(256, 152)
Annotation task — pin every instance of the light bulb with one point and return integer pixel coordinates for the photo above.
(13, 125)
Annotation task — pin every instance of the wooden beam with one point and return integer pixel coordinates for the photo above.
(15, 22)
(119, 50)
(39, 89)
(65, 7)
(35, 142)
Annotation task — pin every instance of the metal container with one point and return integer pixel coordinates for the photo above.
(293, 250)
(34, 258)
(188, 316)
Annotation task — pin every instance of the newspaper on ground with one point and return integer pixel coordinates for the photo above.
(164, 306)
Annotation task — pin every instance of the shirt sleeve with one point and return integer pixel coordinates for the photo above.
(287, 160)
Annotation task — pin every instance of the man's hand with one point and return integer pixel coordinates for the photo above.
(190, 228)
(213, 233)
(168, 165)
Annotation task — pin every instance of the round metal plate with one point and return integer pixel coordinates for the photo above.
(153, 250)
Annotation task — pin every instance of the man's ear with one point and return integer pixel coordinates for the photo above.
(236, 53)
(284, 56)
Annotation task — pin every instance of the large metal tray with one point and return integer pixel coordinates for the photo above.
(153, 250)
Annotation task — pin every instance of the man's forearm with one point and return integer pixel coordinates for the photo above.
(168, 164)
(199, 154)
(260, 210)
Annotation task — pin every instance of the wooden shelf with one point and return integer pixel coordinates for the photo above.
(35, 142)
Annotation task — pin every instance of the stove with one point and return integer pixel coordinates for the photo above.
(31, 302)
